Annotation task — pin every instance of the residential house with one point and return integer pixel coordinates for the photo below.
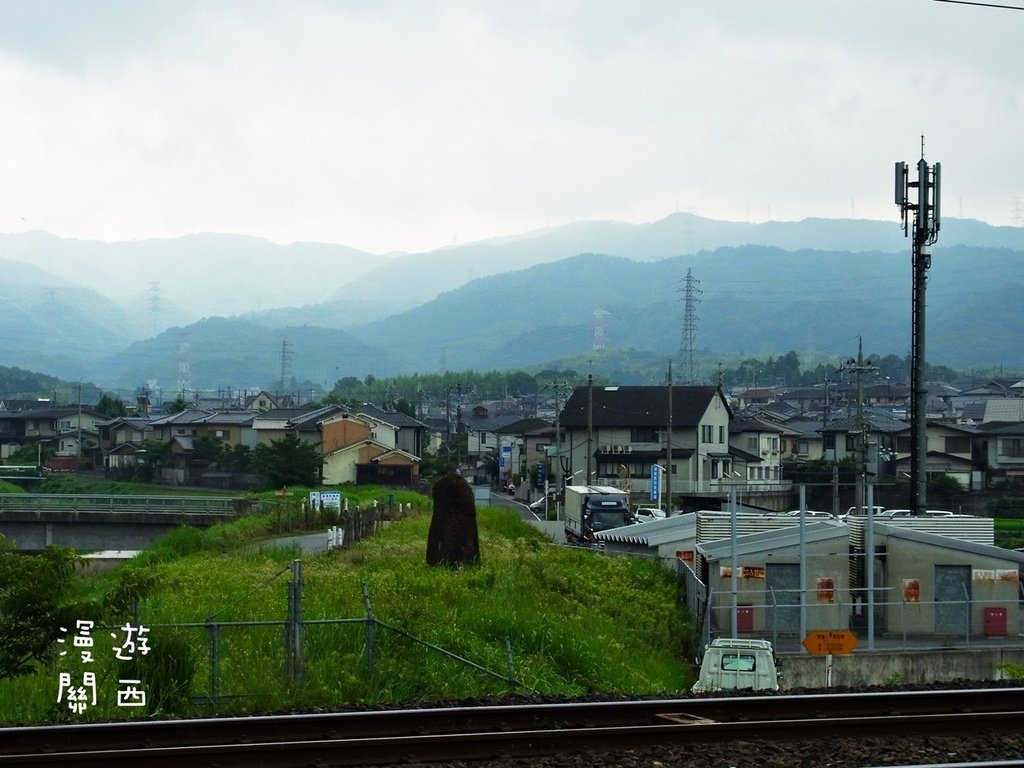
(756, 445)
(359, 448)
(182, 429)
(72, 431)
(1002, 445)
(842, 439)
(616, 435)
(481, 429)
(259, 401)
(801, 440)
(121, 440)
(950, 451)
(521, 447)
(304, 423)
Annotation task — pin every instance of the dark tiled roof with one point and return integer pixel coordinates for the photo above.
(638, 406)
(750, 424)
(394, 418)
(525, 426)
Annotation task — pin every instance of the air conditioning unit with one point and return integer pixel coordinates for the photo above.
(606, 449)
(617, 448)
(629, 449)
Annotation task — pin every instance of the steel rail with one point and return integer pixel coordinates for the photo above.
(380, 723)
(490, 744)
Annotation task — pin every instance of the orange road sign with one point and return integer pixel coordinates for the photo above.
(822, 642)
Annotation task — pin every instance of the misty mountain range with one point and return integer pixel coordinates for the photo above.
(217, 311)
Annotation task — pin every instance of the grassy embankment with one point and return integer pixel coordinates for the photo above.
(573, 622)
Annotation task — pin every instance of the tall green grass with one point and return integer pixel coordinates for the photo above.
(575, 621)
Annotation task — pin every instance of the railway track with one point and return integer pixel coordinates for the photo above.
(468, 733)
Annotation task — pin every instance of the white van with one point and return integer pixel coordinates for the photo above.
(735, 663)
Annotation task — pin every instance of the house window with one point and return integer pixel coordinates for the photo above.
(774, 443)
(707, 433)
(721, 434)
(714, 469)
(220, 434)
(1013, 446)
(958, 444)
(851, 443)
(752, 444)
(65, 424)
(828, 442)
(483, 438)
(643, 435)
(803, 447)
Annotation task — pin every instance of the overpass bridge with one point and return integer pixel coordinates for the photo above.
(93, 523)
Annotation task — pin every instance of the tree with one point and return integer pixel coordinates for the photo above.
(111, 406)
(177, 406)
(29, 453)
(453, 538)
(287, 461)
(35, 604)
(207, 451)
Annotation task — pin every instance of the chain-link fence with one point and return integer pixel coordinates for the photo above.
(882, 618)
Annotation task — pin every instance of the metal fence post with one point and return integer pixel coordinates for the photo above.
(371, 628)
(213, 629)
(967, 614)
(293, 627)
(511, 665)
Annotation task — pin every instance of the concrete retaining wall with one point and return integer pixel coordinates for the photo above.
(898, 666)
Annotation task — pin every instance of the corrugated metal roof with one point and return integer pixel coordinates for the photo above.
(966, 528)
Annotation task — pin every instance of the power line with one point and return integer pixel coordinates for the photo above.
(984, 5)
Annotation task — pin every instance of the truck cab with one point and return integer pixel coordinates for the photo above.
(738, 664)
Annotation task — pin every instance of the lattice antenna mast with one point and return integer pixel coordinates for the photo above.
(688, 344)
(600, 328)
(286, 363)
(155, 312)
(184, 367)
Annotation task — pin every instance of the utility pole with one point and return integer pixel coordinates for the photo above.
(668, 448)
(590, 425)
(858, 367)
(559, 469)
(925, 228)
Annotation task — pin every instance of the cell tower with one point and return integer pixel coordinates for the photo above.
(600, 326)
(688, 344)
(924, 228)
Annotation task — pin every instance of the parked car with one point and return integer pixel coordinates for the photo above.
(646, 514)
(813, 513)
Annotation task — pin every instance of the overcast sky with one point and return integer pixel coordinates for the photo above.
(411, 125)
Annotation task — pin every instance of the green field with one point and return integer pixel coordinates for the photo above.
(554, 620)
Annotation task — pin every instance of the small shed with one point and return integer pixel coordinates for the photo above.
(768, 584)
(935, 586)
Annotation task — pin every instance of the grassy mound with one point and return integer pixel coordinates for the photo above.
(571, 622)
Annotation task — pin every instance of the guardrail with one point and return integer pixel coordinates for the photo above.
(50, 502)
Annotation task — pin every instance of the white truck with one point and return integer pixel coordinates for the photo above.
(735, 663)
(593, 508)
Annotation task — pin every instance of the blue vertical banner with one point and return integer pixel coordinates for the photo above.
(655, 482)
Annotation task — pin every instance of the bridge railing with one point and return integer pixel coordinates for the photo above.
(52, 502)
